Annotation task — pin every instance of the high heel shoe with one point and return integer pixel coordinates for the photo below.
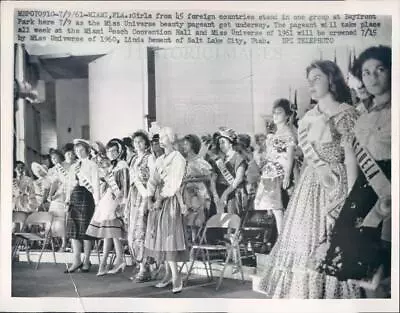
(103, 270)
(116, 269)
(68, 270)
(179, 288)
(163, 284)
(86, 270)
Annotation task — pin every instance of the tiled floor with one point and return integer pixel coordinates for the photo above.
(50, 281)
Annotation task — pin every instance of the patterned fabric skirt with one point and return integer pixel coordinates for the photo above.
(137, 223)
(165, 235)
(104, 223)
(269, 194)
(81, 210)
(290, 269)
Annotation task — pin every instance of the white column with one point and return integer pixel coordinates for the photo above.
(20, 114)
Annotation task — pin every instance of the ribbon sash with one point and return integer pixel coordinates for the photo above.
(224, 171)
(379, 183)
(61, 169)
(308, 150)
(110, 179)
(86, 182)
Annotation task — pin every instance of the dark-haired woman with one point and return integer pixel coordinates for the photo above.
(360, 245)
(194, 190)
(130, 149)
(330, 170)
(58, 175)
(136, 210)
(278, 168)
(81, 198)
(107, 221)
(228, 187)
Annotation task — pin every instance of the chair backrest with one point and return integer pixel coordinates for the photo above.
(39, 218)
(19, 217)
(224, 220)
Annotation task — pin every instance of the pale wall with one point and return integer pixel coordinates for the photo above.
(117, 93)
(72, 109)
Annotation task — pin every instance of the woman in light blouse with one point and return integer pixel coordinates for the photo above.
(165, 238)
(81, 198)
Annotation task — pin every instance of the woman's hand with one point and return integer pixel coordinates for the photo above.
(286, 181)
(184, 209)
(224, 199)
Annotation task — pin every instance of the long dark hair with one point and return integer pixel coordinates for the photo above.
(337, 85)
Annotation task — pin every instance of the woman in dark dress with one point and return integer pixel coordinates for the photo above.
(81, 198)
(360, 244)
(228, 187)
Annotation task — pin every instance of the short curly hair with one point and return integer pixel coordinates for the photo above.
(380, 53)
(194, 141)
(143, 135)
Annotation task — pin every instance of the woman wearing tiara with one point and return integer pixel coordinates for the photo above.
(329, 173)
(107, 222)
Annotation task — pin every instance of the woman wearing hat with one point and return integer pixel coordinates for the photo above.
(195, 194)
(97, 152)
(41, 185)
(81, 198)
(58, 183)
(278, 167)
(107, 221)
(229, 188)
(136, 210)
(165, 236)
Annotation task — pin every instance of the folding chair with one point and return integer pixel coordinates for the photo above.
(228, 221)
(18, 219)
(37, 219)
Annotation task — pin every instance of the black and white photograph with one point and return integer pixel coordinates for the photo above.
(199, 153)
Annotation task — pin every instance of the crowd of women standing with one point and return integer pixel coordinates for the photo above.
(158, 192)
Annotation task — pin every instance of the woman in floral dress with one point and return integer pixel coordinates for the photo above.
(278, 166)
(196, 197)
(136, 211)
(324, 134)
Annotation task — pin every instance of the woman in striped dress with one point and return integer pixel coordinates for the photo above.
(81, 198)
(107, 220)
(136, 212)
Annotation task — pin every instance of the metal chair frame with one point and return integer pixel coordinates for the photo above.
(222, 221)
